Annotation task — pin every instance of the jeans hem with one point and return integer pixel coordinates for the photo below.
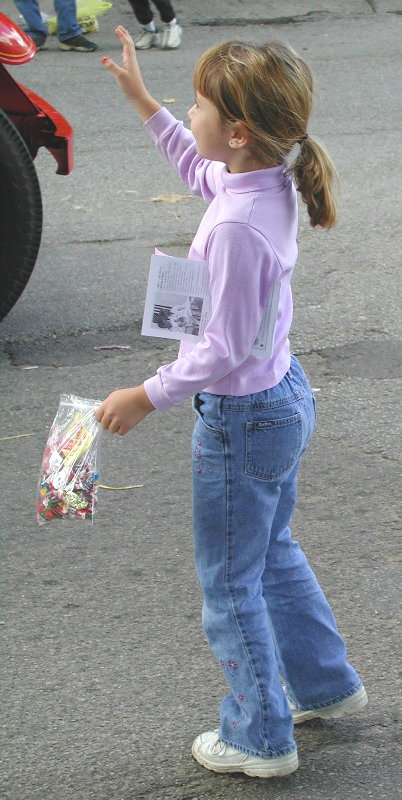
(332, 702)
(69, 36)
(284, 751)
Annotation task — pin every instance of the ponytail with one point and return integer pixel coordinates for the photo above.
(315, 174)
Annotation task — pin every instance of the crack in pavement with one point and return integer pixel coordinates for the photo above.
(111, 240)
(295, 19)
(78, 347)
(376, 359)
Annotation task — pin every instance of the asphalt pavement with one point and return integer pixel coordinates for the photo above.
(106, 675)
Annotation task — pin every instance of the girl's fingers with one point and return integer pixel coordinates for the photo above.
(123, 35)
(129, 58)
(110, 65)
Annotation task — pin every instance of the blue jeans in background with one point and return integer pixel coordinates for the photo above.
(264, 614)
(66, 12)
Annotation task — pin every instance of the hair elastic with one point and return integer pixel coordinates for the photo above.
(302, 138)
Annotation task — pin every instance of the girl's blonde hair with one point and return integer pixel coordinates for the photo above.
(270, 90)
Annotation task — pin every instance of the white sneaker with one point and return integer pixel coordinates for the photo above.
(147, 39)
(171, 37)
(346, 707)
(209, 750)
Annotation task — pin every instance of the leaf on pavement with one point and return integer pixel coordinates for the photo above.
(171, 198)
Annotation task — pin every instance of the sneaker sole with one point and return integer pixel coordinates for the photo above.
(67, 47)
(345, 708)
(170, 46)
(287, 765)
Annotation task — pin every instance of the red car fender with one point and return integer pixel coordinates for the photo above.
(16, 47)
(39, 124)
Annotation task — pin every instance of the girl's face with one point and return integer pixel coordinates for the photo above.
(210, 133)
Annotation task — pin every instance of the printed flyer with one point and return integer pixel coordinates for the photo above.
(178, 303)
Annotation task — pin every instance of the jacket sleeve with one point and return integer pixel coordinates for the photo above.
(177, 145)
(242, 268)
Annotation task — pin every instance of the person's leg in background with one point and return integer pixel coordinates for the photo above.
(149, 36)
(36, 28)
(170, 37)
(142, 11)
(68, 30)
(67, 23)
(171, 34)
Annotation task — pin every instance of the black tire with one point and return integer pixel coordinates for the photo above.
(20, 215)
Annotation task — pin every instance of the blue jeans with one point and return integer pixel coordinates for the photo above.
(66, 12)
(264, 614)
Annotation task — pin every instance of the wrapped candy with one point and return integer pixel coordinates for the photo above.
(67, 484)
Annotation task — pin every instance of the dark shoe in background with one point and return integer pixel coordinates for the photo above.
(78, 43)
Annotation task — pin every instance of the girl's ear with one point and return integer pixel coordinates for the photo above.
(240, 136)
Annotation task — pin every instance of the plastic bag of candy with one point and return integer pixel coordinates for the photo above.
(67, 485)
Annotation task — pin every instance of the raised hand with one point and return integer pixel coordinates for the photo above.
(129, 77)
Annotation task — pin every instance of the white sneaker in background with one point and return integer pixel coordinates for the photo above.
(171, 37)
(147, 39)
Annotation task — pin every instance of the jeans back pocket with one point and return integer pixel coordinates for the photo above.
(273, 446)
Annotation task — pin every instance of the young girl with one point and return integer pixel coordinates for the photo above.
(264, 614)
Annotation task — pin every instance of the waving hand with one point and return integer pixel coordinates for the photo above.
(129, 77)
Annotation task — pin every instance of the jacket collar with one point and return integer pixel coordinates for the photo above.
(255, 181)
